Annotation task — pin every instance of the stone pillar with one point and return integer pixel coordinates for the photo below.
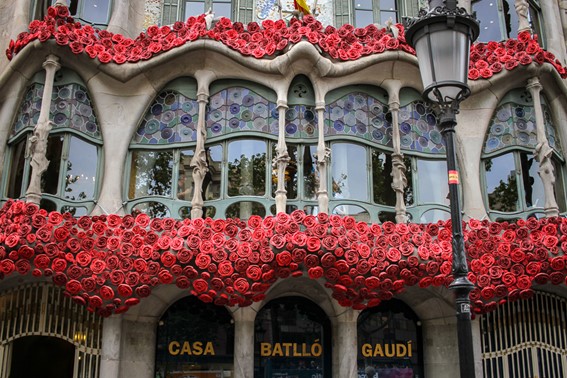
(399, 180)
(111, 341)
(281, 160)
(199, 161)
(138, 355)
(323, 156)
(553, 30)
(563, 18)
(37, 143)
(345, 345)
(543, 152)
(440, 347)
(244, 337)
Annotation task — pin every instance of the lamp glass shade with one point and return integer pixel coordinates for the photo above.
(443, 55)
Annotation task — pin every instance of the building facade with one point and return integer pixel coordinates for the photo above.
(238, 189)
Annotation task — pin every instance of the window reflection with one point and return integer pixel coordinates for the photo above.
(349, 171)
(80, 176)
(247, 168)
(290, 175)
(533, 186)
(433, 187)
(245, 210)
(185, 176)
(357, 212)
(15, 181)
(501, 186)
(150, 173)
(95, 11)
(310, 173)
(153, 209)
(382, 178)
(50, 178)
(212, 182)
(434, 215)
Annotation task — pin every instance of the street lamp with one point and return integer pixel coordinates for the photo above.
(441, 38)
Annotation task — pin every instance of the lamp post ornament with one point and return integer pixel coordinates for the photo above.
(442, 38)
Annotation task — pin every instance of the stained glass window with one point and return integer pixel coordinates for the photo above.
(171, 118)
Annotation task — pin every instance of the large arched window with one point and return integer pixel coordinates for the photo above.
(510, 170)
(94, 12)
(74, 148)
(362, 13)
(195, 339)
(180, 10)
(499, 20)
(160, 176)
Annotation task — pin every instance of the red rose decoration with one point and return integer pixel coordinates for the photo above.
(106, 292)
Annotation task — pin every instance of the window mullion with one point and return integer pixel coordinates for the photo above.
(63, 166)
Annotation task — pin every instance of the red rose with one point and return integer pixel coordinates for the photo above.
(95, 301)
(165, 276)
(254, 272)
(523, 282)
(143, 291)
(241, 285)
(106, 292)
(283, 258)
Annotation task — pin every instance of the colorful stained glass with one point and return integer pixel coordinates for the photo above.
(301, 122)
(515, 125)
(418, 129)
(240, 109)
(359, 114)
(70, 107)
(172, 118)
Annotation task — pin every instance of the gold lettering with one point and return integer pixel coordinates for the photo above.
(390, 353)
(174, 348)
(209, 350)
(265, 349)
(186, 348)
(316, 349)
(287, 346)
(305, 351)
(197, 348)
(367, 350)
(295, 353)
(401, 350)
(378, 351)
(277, 350)
(409, 348)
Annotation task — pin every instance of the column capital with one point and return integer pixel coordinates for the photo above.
(534, 84)
(51, 62)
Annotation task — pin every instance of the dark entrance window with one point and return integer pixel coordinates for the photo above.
(42, 356)
(389, 342)
(195, 339)
(293, 339)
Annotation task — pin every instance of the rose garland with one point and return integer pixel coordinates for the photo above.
(264, 41)
(108, 263)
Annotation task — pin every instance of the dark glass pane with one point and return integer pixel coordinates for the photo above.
(510, 18)
(15, 180)
(195, 339)
(80, 177)
(47, 205)
(501, 186)
(153, 209)
(559, 186)
(247, 168)
(288, 209)
(283, 329)
(349, 171)
(212, 181)
(50, 178)
(75, 211)
(533, 186)
(409, 191)
(487, 14)
(389, 341)
(42, 356)
(95, 11)
(245, 210)
(311, 210)
(151, 173)
(310, 172)
(387, 216)
(382, 178)
(185, 176)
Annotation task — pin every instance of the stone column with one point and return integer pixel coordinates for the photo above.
(323, 156)
(244, 337)
(37, 143)
(553, 30)
(440, 347)
(345, 345)
(563, 18)
(399, 180)
(199, 161)
(137, 358)
(281, 160)
(111, 341)
(543, 152)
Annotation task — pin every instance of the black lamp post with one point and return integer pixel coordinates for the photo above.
(442, 38)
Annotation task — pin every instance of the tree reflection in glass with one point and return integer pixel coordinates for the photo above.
(349, 171)
(501, 183)
(246, 168)
(151, 173)
(80, 177)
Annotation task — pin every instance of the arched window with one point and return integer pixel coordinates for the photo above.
(94, 12)
(513, 185)
(499, 20)
(160, 181)
(361, 13)
(74, 148)
(195, 339)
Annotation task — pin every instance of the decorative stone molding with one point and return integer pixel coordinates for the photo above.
(199, 161)
(399, 180)
(281, 160)
(543, 152)
(36, 148)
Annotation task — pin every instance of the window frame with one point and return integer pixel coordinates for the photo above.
(38, 10)
(180, 5)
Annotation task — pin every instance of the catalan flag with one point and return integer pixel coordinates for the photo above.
(301, 6)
